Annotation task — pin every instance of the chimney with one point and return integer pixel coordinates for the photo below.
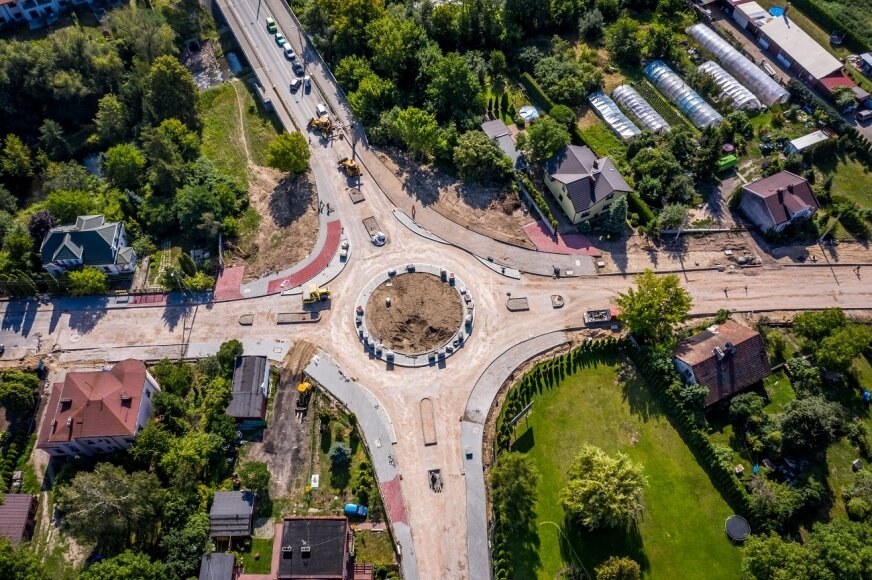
(790, 188)
(780, 195)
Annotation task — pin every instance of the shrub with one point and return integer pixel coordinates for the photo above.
(538, 198)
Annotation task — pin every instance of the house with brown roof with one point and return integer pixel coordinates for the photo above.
(775, 202)
(727, 358)
(18, 517)
(583, 184)
(98, 411)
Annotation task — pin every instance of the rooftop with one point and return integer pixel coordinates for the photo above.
(248, 399)
(726, 358)
(231, 513)
(587, 179)
(807, 141)
(784, 193)
(798, 45)
(91, 239)
(15, 516)
(326, 539)
(95, 403)
(217, 566)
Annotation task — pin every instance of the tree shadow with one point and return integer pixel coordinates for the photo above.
(526, 441)
(83, 321)
(291, 197)
(340, 475)
(20, 315)
(326, 438)
(637, 394)
(592, 548)
(523, 553)
(174, 313)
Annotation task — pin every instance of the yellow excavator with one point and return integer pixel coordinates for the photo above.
(322, 124)
(349, 166)
(315, 293)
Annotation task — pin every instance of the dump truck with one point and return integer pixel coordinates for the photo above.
(349, 167)
(314, 294)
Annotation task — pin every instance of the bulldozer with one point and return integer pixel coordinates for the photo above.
(323, 124)
(349, 166)
(314, 294)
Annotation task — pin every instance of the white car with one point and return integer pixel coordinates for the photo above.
(379, 239)
(289, 52)
(321, 109)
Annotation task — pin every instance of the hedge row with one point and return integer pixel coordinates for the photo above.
(538, 198)
(10, 458)
(549, 373)
(536, 93)
(638, 206)
(829, 22)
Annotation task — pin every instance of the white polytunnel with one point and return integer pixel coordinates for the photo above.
(679, 92)
(632, 101)
(745, 71)
(731, 89)
(612, 115)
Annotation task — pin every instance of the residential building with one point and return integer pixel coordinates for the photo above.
(18, 517)
(727, 358)
(315, 547)
(583, 185)
(775, 202)
(98, 411)
(499, 134)
(35, 13)
(800, 144)
(91, 241)
(231, 514)
(218, 566)
(250, 388)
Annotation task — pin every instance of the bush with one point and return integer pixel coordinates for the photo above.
(640, 208)
(537, 95)
(538, 198)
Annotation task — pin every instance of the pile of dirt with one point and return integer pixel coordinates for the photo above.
(424, 313)
(495, 211)
(288, 230)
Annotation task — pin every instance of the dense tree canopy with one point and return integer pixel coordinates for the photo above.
(19, 562)
(289, 152)
(169, 93)
(18, 391)
(477, 158)
(543, 139)
(654, 305)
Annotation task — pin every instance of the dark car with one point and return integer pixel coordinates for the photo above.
(295, 85)
(298, 68)
(864, 116)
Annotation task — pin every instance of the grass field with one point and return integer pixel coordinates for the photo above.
(222, 136)
(680, 532)
(373, 548)
(851, 180)
(264, 563)
(602, 140)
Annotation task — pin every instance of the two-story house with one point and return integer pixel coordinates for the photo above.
(91, 241)
(98, 411)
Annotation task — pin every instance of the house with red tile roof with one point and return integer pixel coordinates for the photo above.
(98, 411)
(775, 202)
(727, 358)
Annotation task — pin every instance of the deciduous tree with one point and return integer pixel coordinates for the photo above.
(544, 139)
(624, 40)
(654, 305)
(418, 130)
(53, 141)
(477, 158)
(289, 152)
(18, 391)
(87, 281)
(124, 166)
(810, 424)
(616, 568)
(254, 475)
(127, 565)
(19, 562)
(169, 93)
(111, 120)
(372, 96)
(454, 91)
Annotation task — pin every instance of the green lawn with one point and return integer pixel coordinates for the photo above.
(780, 392)
(850, 180)
(680, 532)
(373, 548)
(603, 141)
(262, 565)
(222, 137)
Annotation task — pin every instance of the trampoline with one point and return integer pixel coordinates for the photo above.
(737, 528)
(777, 11)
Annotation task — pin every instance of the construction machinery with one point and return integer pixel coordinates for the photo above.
(314, 294)
(321, 123)
(349, 166)
(304, 393)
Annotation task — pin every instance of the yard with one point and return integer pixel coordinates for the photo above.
(851, 180)
(680, 532)
(262, 564)
(372, 547)
(223, 140)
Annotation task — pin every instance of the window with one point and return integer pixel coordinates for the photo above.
(585, 214)
(610, 196)
(560, 197)
(147, 393)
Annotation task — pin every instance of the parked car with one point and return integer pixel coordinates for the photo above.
(280, 39)
(307, 83)
(271, 25)
(353, 509)
(864, 116)
(295, 85)
(298, 68)
(289, 52)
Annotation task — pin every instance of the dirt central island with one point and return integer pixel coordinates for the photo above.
(424, 314)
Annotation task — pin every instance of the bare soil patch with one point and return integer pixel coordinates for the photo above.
(424, 313)
(495, 211)
(288, 226)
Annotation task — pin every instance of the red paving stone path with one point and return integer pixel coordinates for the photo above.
(149, 299)
(393, 498)
(561, 244)
(310, 270)
(227, 287)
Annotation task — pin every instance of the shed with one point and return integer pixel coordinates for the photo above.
(18, 517)
(250, 388)
(231, 514)
(802, 143)
(217, 566)
(500, 135)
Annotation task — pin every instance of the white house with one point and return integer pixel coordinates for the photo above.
(91, 241)
(98, 411)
